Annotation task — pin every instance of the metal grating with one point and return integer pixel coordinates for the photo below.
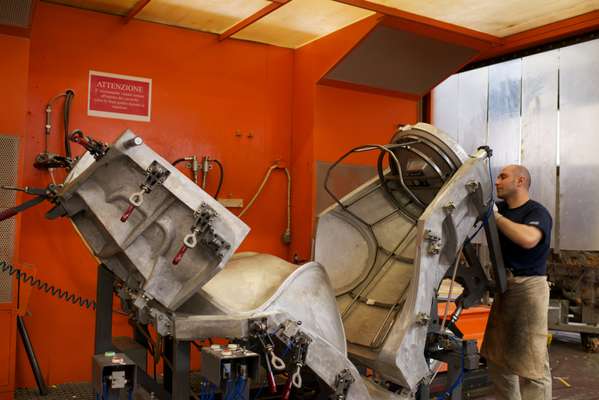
(9, 156)
(15, 12)
(79, 391)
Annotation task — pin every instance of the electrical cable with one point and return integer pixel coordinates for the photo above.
(178, 160)
(47, 288)
(259, 191)
(287, 234)
(446, 312)
(491, 203)
(240, 389)
(48, 126)
(455, 384)
(260, 389)
(220, 178)
(455, 270)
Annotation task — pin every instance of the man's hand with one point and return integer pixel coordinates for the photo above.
(496, 211)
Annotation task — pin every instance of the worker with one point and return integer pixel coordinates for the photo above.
(515, 344)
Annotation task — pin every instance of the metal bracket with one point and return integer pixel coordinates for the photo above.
(202, 227)
(203, 232)
(300, 342)
(343, 381)
(156, 174)
(435, 244)
(96, 148)
(488, 219)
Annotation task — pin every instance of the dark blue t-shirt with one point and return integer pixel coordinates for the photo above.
(521, 261)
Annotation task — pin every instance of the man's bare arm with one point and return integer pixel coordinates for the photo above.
(525, 236)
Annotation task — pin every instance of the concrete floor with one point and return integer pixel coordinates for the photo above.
(575, 367)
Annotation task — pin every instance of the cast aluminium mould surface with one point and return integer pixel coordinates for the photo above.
(305, 295)
(140, 251)
(449, 216)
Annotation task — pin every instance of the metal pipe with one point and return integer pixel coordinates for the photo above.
(35, 368)
(205, 168)
(195, 167)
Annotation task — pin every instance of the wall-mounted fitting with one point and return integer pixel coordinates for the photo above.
(205, 166)
(45, 159)
(192, 164)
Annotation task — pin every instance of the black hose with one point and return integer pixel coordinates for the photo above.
(220, 178)
(178, 160)
(67, 113)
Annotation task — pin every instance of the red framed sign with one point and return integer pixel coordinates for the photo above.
(119, 96)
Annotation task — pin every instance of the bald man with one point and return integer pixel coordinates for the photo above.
(515, 344)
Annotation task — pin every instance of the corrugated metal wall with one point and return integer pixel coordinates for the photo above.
(541, 111)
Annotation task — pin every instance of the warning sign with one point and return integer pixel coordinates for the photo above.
(119, 96)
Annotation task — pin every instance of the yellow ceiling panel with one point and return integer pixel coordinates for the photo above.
(496, 17)
(203, 15)
(301, 21)
(118, 7)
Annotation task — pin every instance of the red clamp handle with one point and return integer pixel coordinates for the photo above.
(287, 389)
(127, 213)
(271, 382)
(179, 255)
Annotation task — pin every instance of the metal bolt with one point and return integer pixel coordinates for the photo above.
(136, 141)
(471, 186)
(422, 318)
(449, 207)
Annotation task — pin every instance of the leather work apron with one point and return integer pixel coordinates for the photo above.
(516, 334)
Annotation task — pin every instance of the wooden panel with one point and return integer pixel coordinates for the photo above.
(204, 15)
(500, 18)
(302, 21)
(118, 7)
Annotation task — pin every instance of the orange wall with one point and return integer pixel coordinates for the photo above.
(13, 81)
(345, 119)
(329, 121)
(203, 91)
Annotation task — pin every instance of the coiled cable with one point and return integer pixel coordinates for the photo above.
(61, 294)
